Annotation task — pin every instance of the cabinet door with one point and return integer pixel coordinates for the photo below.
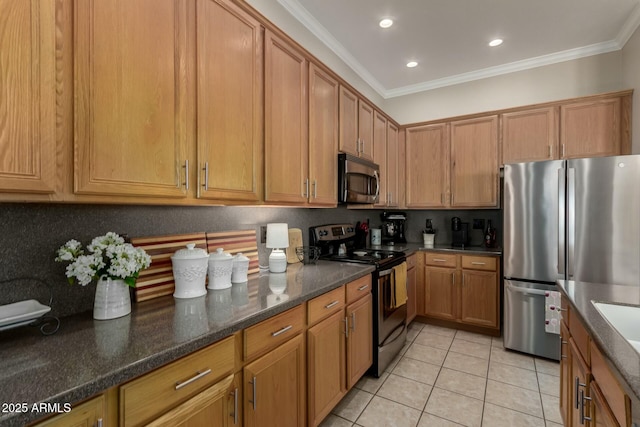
(393, 167)
(590, 129)
(601, 414)
(323, 137)
(274, 387)
(349, 142)
(286, 132)
(130, 97)
(365, 129)
(213, 406)
(474, 162)
(579, 385)
(359, 339)
(380, 154)
(89, 413)
(326, 369)
(28, 101)
(529, 135)
(229, 101)
(479, 298)
(411, 295)
(427, 159)
(440, 292)
(565, 375)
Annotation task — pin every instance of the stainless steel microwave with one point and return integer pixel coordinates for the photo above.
(358, 180)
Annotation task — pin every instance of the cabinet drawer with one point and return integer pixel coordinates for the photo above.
(358, 288)
(479, 263)
(616, 398)
(272, 332)
(580, 336)
(411, 261)
(440, 260)
(325, 305)
(149, 396)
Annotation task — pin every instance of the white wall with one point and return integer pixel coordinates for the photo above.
(631, 79)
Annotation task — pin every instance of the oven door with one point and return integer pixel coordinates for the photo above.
(390, 315)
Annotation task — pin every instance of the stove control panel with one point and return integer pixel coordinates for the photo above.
(333, 232)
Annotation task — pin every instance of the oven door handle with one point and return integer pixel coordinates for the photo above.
(385, 272)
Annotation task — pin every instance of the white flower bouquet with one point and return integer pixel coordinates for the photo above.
(108, 256)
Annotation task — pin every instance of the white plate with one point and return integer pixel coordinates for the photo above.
(21, 312)
(360, 253)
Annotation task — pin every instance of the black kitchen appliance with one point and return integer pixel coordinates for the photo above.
(460, 232)
(389, 323)
(393, 224)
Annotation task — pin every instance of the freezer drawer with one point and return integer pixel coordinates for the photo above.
(524, 320)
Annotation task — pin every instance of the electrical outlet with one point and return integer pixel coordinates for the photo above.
(478, 224)
(263, 234)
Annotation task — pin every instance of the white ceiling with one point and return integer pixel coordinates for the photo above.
(449, 38)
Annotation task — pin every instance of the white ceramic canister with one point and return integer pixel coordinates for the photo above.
(240, 268)
(190, 271)
(220, 268)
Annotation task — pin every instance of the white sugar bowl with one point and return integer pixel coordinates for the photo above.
(240, 268)
(220, 268)
(190, 271)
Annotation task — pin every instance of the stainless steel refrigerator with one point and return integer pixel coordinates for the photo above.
(565, 219)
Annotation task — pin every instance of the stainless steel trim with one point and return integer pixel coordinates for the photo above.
(331, 304)
(253, 383)
(235, 406)
(206, 176)
(281, 331)
(561, 216)
(196, 377)
(571, 220)
(385, 272)
(528, 291)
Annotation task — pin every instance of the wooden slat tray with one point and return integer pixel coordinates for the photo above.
(234, 242)
(157, 280)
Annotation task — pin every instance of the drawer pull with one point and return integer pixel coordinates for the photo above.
(196, 377)
(439, 260)
(577, 384)
(235, 406)
(478, 263)
(362, 288)
(333, 304)
(253, 402)
(281, 331)
(353, 321)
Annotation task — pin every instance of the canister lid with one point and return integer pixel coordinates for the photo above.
(240, 257)
(190, 252)
(220, 255)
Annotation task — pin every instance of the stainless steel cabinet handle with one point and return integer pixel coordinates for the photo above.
(346, 327)
(549, 150)
(332, 304)
(562, 342)
(358, 146)
(583, 417)
(305, 191)
(453, 279)
(439, 260)
(478, 263)
(281, 331)
(563, 151)
(186, 174)
(577, 384)
(362, 288)
(235, 406)
(253, 383)
(315, 189)
(196, 377)
(99, 422)
(353, 321)
(442, 198)
(206, 176)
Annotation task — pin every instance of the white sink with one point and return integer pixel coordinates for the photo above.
(624, 318)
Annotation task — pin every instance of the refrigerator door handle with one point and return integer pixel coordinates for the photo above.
(561, 222)
(528, 291)
(571, 220)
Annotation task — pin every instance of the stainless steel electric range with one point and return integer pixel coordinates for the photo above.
(337, 242)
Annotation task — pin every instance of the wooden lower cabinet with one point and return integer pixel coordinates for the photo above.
(565, 374)
(90, 413)
(581, 377)
(412, 309)
(440, 292)
(601, 414)
(478, 303)
(359, 339)
(274, 387)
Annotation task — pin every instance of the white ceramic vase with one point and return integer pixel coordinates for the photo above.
(112, 299)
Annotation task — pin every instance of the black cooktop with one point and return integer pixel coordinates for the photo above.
(367, 256)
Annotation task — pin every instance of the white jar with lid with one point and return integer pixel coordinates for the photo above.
(240, 268)
(190, 267)
(220, 268)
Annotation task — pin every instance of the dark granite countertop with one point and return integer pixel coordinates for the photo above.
(87, 356)
(410, 248)
(620, 354)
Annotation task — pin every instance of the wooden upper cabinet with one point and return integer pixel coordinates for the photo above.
(380, 154)
(286, 129)
(323, 137)
(229, 102)
(28, 100)
(130, 97)
(474, 162)
(365, 129)
(393, 166)
(529, 135)
(427, 166)
(590, 129)
(349, 142)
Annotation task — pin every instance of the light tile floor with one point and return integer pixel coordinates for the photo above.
(445, 377)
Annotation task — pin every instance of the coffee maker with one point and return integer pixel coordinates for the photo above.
(460, 232)
(393, 227)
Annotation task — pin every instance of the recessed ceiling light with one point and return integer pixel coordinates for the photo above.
(495, 42)
(386, 23)
(412, 64)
